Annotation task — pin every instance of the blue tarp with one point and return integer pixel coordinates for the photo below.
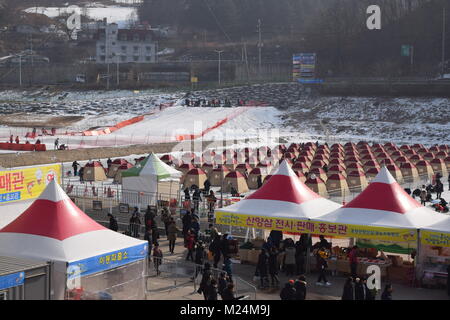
(106, 261)
(12, 280)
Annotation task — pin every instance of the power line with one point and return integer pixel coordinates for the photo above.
(217, 20)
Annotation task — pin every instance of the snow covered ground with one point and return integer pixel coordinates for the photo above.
(293, 117)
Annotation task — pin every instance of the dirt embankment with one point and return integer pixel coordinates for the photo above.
(38, 121)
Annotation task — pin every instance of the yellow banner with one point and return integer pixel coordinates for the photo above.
(27, 183)
(433, 238)
(319, 228)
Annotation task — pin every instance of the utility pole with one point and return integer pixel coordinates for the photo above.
(259, 47)
(219, 52)
(20, 69)
(118, 71)
(443, 41)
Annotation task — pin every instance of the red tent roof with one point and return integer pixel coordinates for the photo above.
(53, 215)
(384, 187)
(195, 172)
(284, 185)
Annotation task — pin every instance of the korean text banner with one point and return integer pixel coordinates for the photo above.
(314, 227)
(434, 238)
(27, 183)
(106, 261)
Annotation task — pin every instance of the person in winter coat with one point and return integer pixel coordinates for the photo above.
(190, 243)
(322, 265)
(229, 294)
(75, 166)
(353, 259)
(187, 195)
(195, 226)
(288, 292)
(207, 186)
(206, 281)
(157, 258)
(223, 283)
(212, 199)
(349, 290)
(289, 260)
(423, 196)
(387, 293)
(113, 225)
(439, 189)
(361, 290)
(172, 232)
(448, 181)
(225, 246)
(165, 218)
(186, 220)
(215, 248)
(300, 253)
(276, 237)
(273, 266)
(197, 198)
(212, 290)
(228, 267)
(300, 288)
(200, 255)
(135, 225)
(261, 268)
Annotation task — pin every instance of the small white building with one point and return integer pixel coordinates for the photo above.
(116, 45)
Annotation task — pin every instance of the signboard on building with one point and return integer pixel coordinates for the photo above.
(304, 68)
(27, 183)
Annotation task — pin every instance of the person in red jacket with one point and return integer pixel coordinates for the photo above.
(190, 245)
(17, 140)
(353, 257)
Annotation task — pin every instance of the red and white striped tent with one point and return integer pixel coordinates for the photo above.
(54, 229)
(283, 196)
(384, 203)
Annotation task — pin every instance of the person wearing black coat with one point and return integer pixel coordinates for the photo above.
(387, 293)
(349, 290)
(362, 292)
(300, 288)
(439, 188)
(273, 266)
(206, 281)
(187, 195)
(300, 253)
(207, 186)
(224, 246)
(259, 181)
(186, 220)
(276, 237)
(212, 290)
(223, 283)
(215, 248)
(261, 268)
(288, 292)
(228, 293)
(113, 225)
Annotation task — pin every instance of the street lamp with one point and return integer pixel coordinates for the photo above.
(219, 52)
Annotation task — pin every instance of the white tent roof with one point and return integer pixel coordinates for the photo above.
(283, 196)
(384, 203)
(54, 228)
